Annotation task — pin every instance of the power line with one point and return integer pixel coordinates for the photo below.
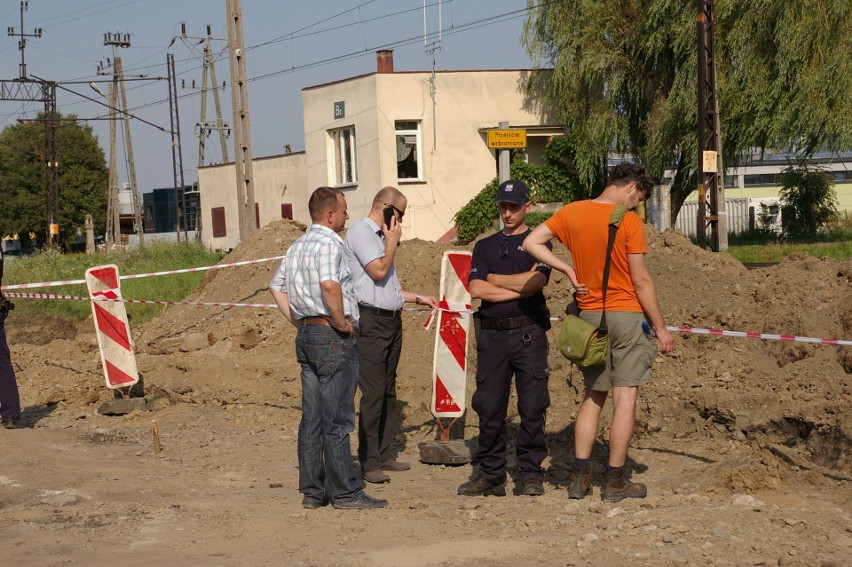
(451, 30)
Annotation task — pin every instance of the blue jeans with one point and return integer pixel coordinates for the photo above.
(329, 380)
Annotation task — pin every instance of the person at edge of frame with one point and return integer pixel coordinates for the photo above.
(313, 289)
(370, 247)
(631, 303)
(511, 333)
(10, 400)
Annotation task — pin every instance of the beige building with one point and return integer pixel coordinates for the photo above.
(366, 132)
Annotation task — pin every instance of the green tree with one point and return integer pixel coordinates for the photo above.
(83, 179)
(808, 199)
(624, 76)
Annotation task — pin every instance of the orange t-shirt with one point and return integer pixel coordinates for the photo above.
(582, 226)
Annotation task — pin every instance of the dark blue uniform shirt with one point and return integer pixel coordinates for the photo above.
(501, 254)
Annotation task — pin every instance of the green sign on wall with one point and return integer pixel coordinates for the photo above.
(339, 109)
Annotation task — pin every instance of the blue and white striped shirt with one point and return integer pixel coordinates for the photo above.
(312, 259)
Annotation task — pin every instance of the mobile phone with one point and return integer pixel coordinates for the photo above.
(646, 328)
(388, 215)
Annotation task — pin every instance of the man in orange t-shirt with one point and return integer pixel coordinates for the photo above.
(631, 304)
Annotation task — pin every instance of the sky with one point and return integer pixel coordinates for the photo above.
(289, 44)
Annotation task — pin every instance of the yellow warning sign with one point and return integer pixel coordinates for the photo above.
(503, 139)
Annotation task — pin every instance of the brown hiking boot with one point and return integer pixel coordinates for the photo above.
(618, 488)
(581, 483)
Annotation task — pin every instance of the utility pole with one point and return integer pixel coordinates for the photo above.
(47, 90)
(51, 162)
(177, 154)
(242, 131)
(113, 203)
(22, 42)
(208, 67)
(709, 139)
(123, 40)
(113, 222)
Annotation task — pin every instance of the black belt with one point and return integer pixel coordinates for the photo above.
(390, 313)
(506, 324)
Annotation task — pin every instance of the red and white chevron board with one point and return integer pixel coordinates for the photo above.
(450, 360)
(112, 328)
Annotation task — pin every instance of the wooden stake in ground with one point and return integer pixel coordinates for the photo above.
(156, 433)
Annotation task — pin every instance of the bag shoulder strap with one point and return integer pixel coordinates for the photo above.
(617, 215)
(614, 222)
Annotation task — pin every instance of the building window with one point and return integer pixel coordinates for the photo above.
(409, 162)
(762, 179)
(345, 166)
(287, 211)
(218, 223)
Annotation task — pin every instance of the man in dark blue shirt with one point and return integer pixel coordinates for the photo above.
(511, 334)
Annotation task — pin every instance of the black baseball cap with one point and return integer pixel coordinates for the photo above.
(513, 191)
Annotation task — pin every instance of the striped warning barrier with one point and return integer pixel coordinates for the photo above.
(112, 327)
(450, 358)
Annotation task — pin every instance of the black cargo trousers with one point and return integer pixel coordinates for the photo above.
(521, 352)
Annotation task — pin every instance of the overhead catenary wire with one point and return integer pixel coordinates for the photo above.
(453, 29)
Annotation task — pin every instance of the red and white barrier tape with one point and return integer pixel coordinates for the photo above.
(464, 310)
(138, 301)
(747, 335)
(764, 336)
(20, 295)
(136, 276)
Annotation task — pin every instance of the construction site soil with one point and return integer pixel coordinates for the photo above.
(744, 443)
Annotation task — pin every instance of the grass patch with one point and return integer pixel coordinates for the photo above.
(51, 265)
(776, 252)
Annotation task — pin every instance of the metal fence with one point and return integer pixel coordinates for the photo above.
(743, 214)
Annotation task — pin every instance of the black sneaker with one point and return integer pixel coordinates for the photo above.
(532, 487)
(12, 424)
(361, 501)
(483, 487)
(313, 503)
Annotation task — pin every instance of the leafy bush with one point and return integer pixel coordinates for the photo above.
(552, 182)
(808, 199)
(755, 235)
(535, 218)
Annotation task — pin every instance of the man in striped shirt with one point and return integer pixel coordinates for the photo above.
(313, 289)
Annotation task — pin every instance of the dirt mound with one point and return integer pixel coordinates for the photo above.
(746, 389)
(745, 443)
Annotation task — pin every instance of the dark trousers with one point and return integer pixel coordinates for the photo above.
(10, 402)
(379, 345)
(500, 354)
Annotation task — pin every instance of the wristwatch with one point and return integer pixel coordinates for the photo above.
(417, 298)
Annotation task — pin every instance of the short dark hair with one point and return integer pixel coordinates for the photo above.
(322, 199)
(625, 173)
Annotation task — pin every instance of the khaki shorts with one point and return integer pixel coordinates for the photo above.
(631, 352)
